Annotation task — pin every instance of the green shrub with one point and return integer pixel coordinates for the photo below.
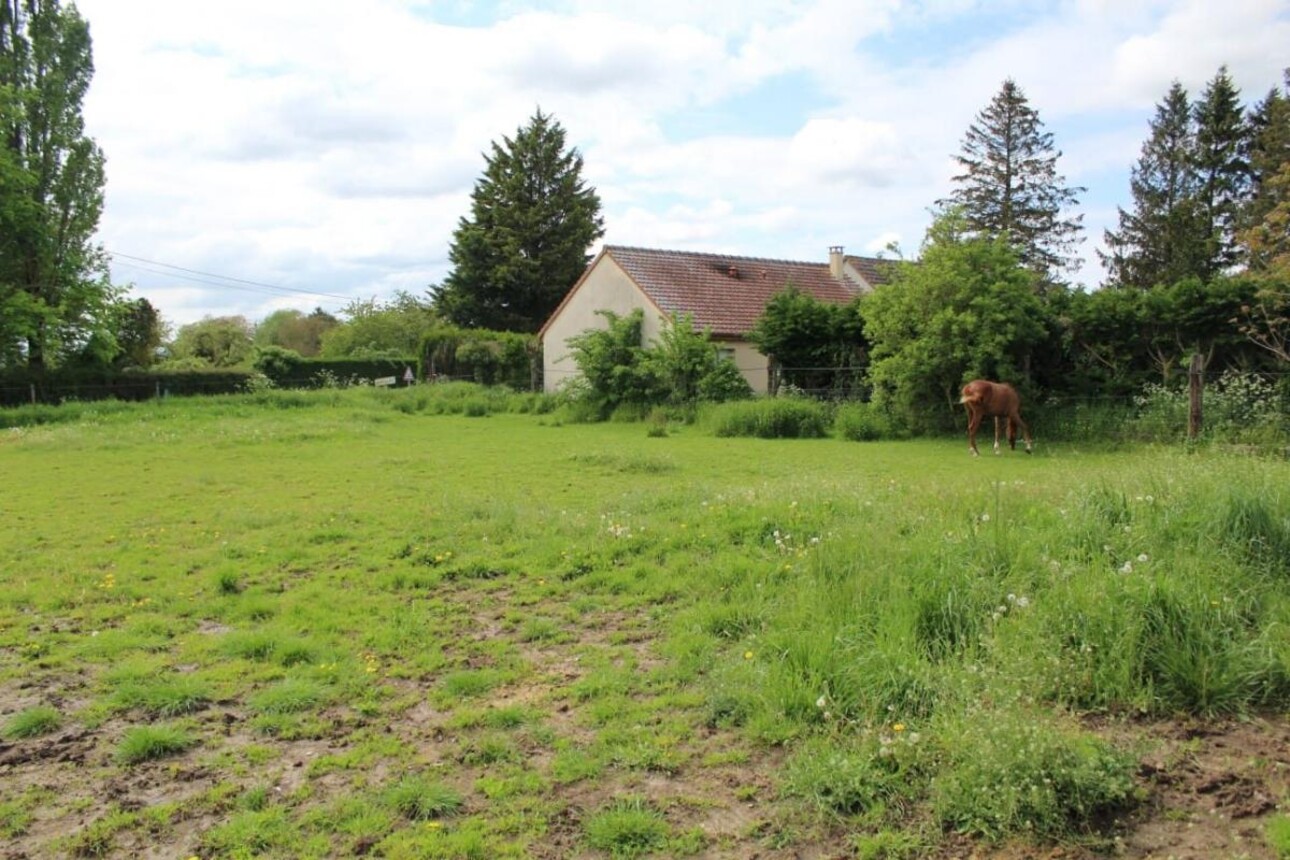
(862, 422)
(772, 418)
(276, 362)
(723, 383)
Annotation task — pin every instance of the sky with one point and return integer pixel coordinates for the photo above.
(307, 153)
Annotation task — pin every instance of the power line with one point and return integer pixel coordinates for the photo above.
(223, 280)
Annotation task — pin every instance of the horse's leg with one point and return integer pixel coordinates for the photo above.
(974, 421)
(996, 434)
(1012, 433)
(1025, 431)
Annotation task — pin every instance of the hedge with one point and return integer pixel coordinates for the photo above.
(306, 372)
(18, 387)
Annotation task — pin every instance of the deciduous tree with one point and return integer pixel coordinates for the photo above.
(376, 329)
(216, 341)
(294, 330)
(140, 331)
(813, 345)
(53, 284)
(967, 309)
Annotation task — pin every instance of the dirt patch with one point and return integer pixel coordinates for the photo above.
(1210, 788)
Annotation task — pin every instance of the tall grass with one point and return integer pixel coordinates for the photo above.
(773, 418)
(533, 615)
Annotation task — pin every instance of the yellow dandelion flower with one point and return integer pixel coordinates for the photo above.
(748, 655)
(898, 727)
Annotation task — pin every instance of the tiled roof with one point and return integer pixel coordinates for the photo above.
(727, 293)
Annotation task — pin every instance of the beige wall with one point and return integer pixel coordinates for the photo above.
(751, 363)
(607, 287)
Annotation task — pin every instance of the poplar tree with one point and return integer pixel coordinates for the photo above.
(53, 278)
(525, 242)
(1162, 240)
(1010, 187)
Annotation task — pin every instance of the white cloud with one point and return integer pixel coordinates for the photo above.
(332, 146)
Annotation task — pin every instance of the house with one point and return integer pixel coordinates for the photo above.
(725, 294)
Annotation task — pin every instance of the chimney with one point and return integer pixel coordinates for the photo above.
(835, 261)
(733, 271)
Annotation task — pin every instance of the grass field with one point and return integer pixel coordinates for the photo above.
(336, 624)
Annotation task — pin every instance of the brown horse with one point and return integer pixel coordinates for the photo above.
(997, 400)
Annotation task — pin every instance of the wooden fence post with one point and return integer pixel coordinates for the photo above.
(1196, 387)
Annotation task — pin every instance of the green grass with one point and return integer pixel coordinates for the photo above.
(1278, 836)
(33, 722)
(374, 612)
(627, 828)
(419, 799)
(148, 743)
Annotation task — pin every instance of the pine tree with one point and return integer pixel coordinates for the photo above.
(1162, 240)
(53, 281)
(525, 242)
(1265, 235)
(1222, 168)
(1011, 188)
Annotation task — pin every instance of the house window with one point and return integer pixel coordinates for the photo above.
(725, 353)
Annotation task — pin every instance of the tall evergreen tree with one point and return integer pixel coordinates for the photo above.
(1162, 239)
(1010, 187)
(525, 243)
(53, 282)
(1265, 234)
(1222, 169)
